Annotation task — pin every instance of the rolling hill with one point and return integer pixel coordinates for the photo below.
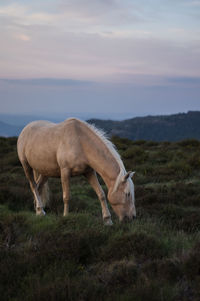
(157, 128)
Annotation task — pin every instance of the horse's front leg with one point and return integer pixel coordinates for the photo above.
(92, 179)
(65, 178)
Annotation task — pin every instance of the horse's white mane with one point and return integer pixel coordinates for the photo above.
(111, 147)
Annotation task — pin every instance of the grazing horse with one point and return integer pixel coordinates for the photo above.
(71, 148)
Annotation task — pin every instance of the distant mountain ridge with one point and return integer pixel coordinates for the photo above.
(174, 127)
(8, 130)
(156, 128)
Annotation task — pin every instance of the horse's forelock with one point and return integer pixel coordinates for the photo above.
(130, 187)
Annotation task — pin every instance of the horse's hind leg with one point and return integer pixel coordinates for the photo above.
(29, 174)
(92, 179)
(42, 187)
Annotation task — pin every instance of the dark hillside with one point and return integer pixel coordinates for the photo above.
(156, 128)
(154, 258)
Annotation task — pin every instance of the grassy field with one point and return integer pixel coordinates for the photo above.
(77, 258)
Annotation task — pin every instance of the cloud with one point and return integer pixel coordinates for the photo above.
(51, 82)
(23, 37)
(102, 40)
(193, 3)
(75, 15)
(184, 80)
(55, 54)
(25, 15)
(88, 8)
(109, 12)
(101, 98)
(13, 10)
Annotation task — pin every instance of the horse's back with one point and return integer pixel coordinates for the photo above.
(35, 126)
(37, 145)
(31, 132)
(47, 146)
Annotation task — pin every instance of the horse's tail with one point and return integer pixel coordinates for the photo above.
(44, 194)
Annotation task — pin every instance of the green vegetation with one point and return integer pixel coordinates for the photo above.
(77, 258)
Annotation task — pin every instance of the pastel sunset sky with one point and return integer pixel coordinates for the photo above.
(110, 57)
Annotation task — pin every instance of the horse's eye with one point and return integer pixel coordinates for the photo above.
(128, 194)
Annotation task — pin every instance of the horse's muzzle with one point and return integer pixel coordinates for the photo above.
(128, 219)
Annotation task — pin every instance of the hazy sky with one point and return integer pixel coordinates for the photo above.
(123, 58)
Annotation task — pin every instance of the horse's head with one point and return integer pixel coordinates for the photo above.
(122, 197)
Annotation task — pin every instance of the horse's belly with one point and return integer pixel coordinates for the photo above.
(45, 165)
(79, 169)
(50, 172)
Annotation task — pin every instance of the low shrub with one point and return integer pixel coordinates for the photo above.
(142, 246)
(189, 143)
(136, 154)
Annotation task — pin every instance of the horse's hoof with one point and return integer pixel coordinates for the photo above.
(43, 212)
(108, 222)
(40, 212)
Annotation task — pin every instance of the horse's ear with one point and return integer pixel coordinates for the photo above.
(132, 174)
(129, 174)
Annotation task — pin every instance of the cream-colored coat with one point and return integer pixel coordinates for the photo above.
(71, 148)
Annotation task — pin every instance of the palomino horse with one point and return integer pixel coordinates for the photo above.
(71, 148)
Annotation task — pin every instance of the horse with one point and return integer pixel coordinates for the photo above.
(70, 148)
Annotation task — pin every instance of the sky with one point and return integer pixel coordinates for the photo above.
(107, 58)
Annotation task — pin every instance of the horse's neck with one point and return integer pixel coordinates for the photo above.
(104, 162)
(107, 169)
(109, 172)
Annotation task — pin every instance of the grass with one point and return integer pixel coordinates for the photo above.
(77, 258)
